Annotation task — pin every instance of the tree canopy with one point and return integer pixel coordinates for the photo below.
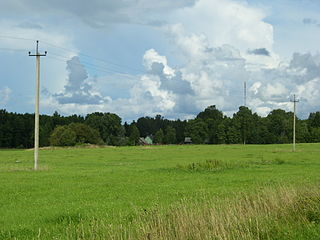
(210, 126)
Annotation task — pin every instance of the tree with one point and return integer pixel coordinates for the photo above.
(302, 132)
(315, 134)
(159, 137)
(63, 136)
(170, 136)
(212, 117)
(314, 119)
(221, 132)
(108, 125)
(85, 133)
(233, 135)
(211, 112)
(149, 126)
(134, 135)
(243, 119)
(280, 125)
(180, 127)
(146, 126)
(197, 129)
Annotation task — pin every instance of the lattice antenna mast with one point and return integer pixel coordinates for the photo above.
(245, 93)
(294, 100)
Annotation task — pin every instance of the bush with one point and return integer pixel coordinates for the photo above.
(85, 134)
(63, 136)
(74, 133)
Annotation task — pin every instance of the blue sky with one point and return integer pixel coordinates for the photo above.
(145, 57)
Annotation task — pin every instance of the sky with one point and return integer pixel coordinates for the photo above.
(174, 58)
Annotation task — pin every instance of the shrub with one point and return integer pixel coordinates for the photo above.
(74, 133)
(85, 134)
(63, 136)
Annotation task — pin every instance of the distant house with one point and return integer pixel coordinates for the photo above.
(148, 140)
(187, 140)
(145, 141)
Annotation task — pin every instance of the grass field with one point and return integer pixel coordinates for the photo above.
(162, 192)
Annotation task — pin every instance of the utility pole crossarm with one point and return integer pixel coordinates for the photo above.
(36, 115)
(37, 52)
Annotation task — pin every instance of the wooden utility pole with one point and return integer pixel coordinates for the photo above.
(294, 122)
(36, 115)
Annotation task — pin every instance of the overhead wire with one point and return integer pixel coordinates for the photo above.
(12, 50)
(96, 67)
(17, 38)
(108, 62)
(88, 65)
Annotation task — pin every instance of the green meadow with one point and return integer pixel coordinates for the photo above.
(162, 192)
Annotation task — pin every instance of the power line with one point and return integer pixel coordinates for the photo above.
(17, 38)
(92, 57)
(104, 61)
(91, 66)
(12, 50)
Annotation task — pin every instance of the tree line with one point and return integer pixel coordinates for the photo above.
(210, 126)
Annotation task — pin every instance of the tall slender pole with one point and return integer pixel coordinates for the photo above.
(245, 93)
(245, 104)
(294, 123)
(36, 115)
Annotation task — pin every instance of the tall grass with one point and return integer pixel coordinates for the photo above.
(281, 213)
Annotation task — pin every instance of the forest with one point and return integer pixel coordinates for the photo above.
(210, 126)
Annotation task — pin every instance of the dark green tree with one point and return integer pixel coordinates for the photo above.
(233, 135)
(159, 137)
(221, 134)
(280, 125)
(180, 127)
(314, 134)
(213, 118)
(134, 135)
(314, 120)
(63, 136)
(85, 133)
(302, 131)
(197, 129)
(170, 136)
(108, 125)
(243, 121)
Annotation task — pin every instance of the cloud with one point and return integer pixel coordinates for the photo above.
(216, 75)
(210, 39)
(214, 78)
(29, 25)
(79, 89)
(310, 21)
(5, 93)
(272, 88)
(97, 13)
(259, 51)
(226, 22)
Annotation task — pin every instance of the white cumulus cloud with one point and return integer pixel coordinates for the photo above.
(5, 93)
